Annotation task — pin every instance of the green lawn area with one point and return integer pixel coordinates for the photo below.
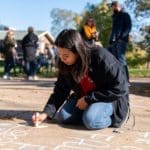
(139, 72)
(44, 73)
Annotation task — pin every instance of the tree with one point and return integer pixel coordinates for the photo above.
(62, 19)
(141, 10)
(141, 7)
(145, 43)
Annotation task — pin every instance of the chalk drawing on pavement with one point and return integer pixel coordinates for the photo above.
(9, 136)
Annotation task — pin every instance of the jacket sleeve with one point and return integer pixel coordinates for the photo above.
(23, 42)
(60, 94)
(12, 42)
(127, 26)
(114, 81)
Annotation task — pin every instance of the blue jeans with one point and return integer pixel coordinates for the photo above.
(118, 49)
(96, 116)
(30, 68)
(9, 64)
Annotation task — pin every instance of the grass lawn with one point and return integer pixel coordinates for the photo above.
(139, 72)
(45, 74)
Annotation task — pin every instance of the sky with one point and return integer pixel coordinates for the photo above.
(20, 14)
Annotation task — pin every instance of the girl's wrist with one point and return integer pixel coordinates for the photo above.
(44, 115)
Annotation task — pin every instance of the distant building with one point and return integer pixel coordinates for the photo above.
(3, 27)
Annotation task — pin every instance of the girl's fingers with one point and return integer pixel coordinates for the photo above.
(37, 117)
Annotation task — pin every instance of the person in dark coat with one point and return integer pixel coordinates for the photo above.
(121, 28)
(10, 53)
(29, 46)
(91, 88)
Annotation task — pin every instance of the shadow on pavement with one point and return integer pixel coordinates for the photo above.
(73, 127)
(27, 116)
(19, 114)
(22, 83)
(140, 88)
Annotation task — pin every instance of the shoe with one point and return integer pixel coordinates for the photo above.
(30, 78)
(35, 78)
(6, 77)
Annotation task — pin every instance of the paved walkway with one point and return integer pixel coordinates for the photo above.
(20, 98)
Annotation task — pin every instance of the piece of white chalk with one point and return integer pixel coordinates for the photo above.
(41, 126)
(37, 122)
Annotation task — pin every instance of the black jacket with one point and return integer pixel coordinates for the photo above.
(111, 86)
(121, 27)
(29, 46)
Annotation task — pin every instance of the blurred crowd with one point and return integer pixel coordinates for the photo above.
(32, 57)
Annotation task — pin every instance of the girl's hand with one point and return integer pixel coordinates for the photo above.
(81, 104)
(38, 118)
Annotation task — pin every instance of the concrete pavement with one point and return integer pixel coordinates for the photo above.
(19, 99)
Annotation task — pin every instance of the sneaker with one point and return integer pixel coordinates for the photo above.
(30, 78)
(6, 77)
(35, 78)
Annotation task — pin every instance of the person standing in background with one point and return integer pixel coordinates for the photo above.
(30, 46)
(10, 53)
(121, 27)
(89, 32)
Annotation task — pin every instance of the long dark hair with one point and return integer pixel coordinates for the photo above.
(92, 20)
(72, 40)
